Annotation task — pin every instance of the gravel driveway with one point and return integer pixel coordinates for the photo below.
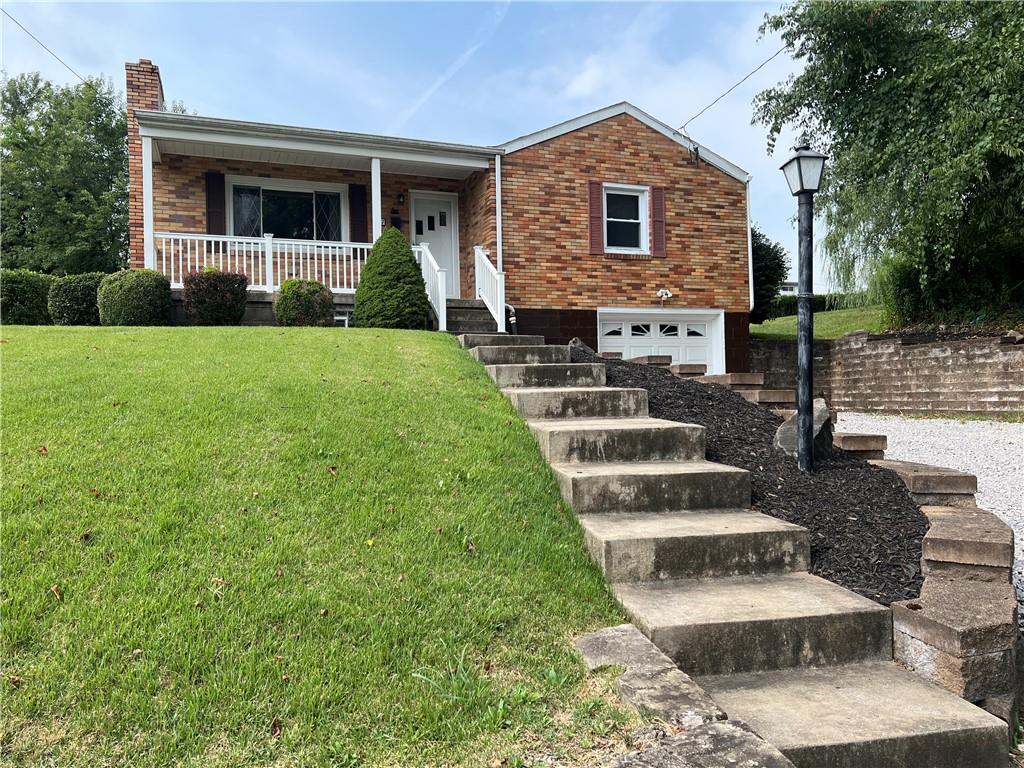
(992, 450)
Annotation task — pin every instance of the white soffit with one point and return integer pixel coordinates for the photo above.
(625, 108)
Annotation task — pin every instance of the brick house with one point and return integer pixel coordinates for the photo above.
(612, 226)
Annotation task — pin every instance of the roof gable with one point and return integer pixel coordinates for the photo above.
(625, 108)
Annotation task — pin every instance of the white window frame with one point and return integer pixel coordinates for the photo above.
(644, 194)
(285, 185)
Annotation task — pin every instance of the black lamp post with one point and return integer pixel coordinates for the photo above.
(803, 173)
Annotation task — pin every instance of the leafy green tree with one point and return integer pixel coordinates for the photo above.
(64, 195)
(921, 109)
(391, 293)
(770, 267)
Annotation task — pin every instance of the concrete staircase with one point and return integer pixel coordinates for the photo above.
(469, 316)
(723, 590)
(751, 387)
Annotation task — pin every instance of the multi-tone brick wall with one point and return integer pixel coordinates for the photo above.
(143, 90)
(552, 278)
(478, 199)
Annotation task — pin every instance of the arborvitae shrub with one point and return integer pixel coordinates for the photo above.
(304, 302)
(135, 297)
(391, 293)
(215, 298)
(73, 299)
(23, 297)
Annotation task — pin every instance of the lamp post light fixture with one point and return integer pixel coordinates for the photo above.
(803, 174)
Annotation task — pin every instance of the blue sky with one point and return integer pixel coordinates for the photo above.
(470, 72)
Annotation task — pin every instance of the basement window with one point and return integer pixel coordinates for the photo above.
(625, 218)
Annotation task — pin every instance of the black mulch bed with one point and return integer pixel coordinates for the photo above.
(865, 529)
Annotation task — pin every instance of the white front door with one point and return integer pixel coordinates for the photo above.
(690, 336)
(435, 222)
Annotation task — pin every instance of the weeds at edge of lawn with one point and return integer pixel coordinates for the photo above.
(225, 598)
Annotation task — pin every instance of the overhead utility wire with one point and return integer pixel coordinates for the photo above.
(733, 88)
(47, 49)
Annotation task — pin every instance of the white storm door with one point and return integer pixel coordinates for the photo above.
(435, 222)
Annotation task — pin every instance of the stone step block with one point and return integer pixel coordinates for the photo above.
(859, 441)
(753, 623)
(660, 361)
(679, 545)
(928, 480)
(578, 402)
(771, 397)
(972, 543)
(618, 440)
(520, 355)
(657, 486)
(548, 375)
(864, 715)
(470, 340)
(689, 370)
(610, 355)
(736, 380)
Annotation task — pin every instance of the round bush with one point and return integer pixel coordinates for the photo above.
(215, 298)
(23, 297)
(304, 302)
(135, 297)
(391, 293)
(73, 299)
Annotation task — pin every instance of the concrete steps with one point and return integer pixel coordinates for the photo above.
(469, 316)
(548, 375)
(470, 340)
(749, 623)
(618, 440)
(861, 715)
(736, 380)
(654, 486)
(636, 547)
(723, 590)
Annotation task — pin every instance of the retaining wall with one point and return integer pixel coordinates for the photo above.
(861, 372)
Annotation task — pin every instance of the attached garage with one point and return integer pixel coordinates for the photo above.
(689, 335)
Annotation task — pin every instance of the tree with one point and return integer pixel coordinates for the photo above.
(770, 268)
(919, 106)
(391, 293)
(64, 195)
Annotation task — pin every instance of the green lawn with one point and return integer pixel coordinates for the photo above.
(827, 325)
(266, 546)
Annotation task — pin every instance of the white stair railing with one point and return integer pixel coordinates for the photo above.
(490, 285)
(435, 280)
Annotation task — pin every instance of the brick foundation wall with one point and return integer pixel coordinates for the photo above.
(865, 373)
(143, 90)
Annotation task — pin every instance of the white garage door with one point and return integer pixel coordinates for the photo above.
(690, 337)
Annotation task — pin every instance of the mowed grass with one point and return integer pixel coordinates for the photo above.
(266, 546)
(827, 325)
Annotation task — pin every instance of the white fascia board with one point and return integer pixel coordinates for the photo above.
(625, 108)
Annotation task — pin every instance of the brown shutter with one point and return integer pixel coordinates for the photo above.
(658, 220)
(596, 192)
(357, 219)
(216, 215)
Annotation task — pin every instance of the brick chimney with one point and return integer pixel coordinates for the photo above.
(143, 90)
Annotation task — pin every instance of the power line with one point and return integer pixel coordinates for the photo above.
(733, 88)
(47, 49)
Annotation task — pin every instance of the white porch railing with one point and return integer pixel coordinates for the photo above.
(266, 261)
(490, 285)
(436, 281)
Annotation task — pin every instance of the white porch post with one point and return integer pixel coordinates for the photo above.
(375, 197)
(148, 251)
(497, 207)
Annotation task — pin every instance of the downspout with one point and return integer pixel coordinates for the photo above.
(510, 312)
(750, 248)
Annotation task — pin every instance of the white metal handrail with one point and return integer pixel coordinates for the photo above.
(490, 285)
(435, 280)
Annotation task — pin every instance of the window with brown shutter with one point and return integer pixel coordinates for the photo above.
(658, 220)
(596, 191)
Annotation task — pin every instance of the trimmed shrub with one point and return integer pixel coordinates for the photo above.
(215, 298)
(304, 302)
(391, 293)
(73, 299)
(135, 297)
(23, 297)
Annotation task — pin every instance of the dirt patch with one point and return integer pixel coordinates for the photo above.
(865, 529)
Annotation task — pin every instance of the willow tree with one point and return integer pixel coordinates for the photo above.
(921, 109)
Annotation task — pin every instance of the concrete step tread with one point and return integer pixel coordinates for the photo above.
(647, 468)
(624, 526)
(925, 478)
(738, 599)
(861, 714)
(604, 423)
(470, 340)
(547, 375)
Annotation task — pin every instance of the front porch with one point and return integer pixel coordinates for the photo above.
(274, 203)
